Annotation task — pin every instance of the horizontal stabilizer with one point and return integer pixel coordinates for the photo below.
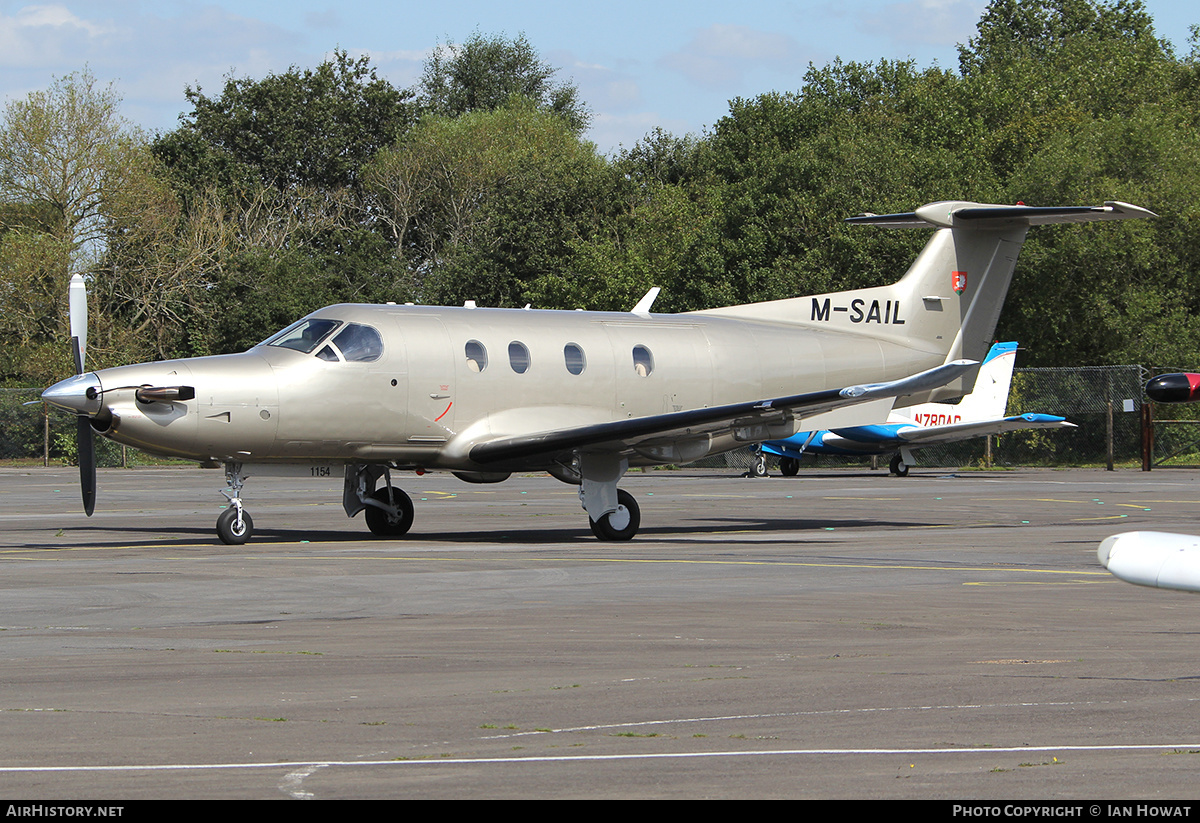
(929, 435)
(952, 214)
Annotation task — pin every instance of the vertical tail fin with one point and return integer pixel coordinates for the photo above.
(949, 300)
(956, 287)
(988, 400)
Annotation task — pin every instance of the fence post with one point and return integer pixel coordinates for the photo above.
(1109, 464)
(1147, 437)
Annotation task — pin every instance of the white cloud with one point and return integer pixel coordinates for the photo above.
(925, 22)
(150, 56)
(613, 132)
(719, 56)
(41, 35)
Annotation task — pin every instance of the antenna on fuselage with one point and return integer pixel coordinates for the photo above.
(642, 309)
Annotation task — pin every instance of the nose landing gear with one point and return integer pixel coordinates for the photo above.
(234, 526)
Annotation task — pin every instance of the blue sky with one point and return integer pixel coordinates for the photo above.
(639, 65)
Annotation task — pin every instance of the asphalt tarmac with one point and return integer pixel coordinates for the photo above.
(840, 634)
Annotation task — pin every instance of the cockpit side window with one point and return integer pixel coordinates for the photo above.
(359, 344)
(305, 335)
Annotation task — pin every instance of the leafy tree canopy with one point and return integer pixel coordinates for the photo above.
(310, 127)
(486, 71)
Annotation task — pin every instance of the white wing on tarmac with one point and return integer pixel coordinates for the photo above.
(1157, 559)
(952, 433)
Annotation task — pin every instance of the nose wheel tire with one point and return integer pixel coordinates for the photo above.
(231, 532)
(384, 523)
(758, 468)
(621, 524)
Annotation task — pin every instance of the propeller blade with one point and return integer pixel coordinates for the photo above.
(86, 444)
(77, 303)
(77, 355)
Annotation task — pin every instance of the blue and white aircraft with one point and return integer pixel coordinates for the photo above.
(978, 414)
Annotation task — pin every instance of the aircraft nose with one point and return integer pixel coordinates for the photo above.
(1174, 388)
(80, 394)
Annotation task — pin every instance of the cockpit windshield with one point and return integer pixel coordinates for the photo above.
(304, 335)
(353, 342)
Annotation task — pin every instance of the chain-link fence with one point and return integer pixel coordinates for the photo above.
(1083, 395)
(1176, 429)
(27, 432)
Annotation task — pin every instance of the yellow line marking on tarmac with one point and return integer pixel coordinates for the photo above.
(1039, 582)
(445, 558)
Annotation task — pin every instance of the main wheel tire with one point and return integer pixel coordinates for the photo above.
(621, 524)
(789, 466)
(230, 531)
(898, 467)
(382, 523)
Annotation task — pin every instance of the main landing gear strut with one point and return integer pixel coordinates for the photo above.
(612, 513)
(387, 510)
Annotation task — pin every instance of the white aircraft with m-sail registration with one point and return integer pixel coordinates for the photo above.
(367, 391)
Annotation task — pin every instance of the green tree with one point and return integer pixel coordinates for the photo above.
(70, 166)
(267, 175)
(652, 225)
(1082, 103)
(485, 72)
(481, 204)
(311, 128)
(788, 168)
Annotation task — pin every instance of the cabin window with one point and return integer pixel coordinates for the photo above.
(518, 357)
(304, 335)
(643, 361)
(573, 355)
(476, 356)
(359, 344)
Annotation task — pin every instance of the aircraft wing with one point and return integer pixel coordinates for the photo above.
(747, 421)
(901, 435)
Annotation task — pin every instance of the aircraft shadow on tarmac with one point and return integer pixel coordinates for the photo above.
(774, 530)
